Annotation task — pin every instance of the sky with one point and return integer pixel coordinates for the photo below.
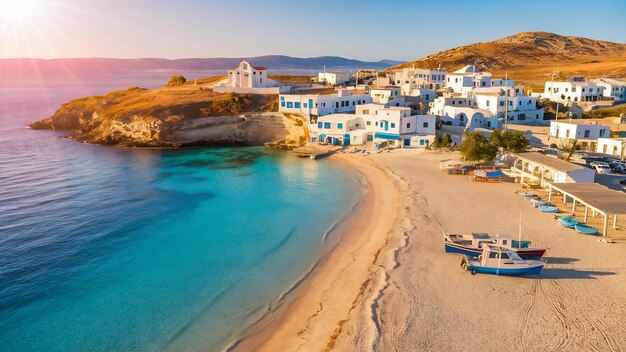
(366, 30)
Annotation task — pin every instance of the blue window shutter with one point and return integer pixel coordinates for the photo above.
(282, 103)
(319, 125)
(340, 125)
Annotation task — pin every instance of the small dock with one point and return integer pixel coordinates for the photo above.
(315, 152)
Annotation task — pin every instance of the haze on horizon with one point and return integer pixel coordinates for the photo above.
(365, 30)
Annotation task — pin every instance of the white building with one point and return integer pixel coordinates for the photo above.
(518, 107)
(569, 130)
(334, 78)
(612, 146)
(375, 123)
(386, 95)
(576, 89)
(537, 168)
(411, 78)
(315, 105)
(487, 107)
(467, 78)
(249, 79)
(613, 88)
(248, 76)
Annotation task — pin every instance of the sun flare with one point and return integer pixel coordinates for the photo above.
(16, 11)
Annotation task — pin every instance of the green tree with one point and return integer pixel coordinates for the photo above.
(476, 147)
(510, 140)
(442, 141)
(176, 81)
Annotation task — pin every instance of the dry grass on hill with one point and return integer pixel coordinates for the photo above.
(531, 57)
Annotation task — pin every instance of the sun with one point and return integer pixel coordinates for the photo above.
(17, 10)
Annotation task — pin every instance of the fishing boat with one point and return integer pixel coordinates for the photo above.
(472, 244)
(568, 222)
(586, 230)
(501, 261)
(546, 208)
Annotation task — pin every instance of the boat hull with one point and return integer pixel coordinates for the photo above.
(548, 209)
(533, 270)
(525, 253)
(586, 230)
(567, 222)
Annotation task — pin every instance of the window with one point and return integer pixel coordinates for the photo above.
(567, 134)
(327, 125)
(319, 125)
(425, 125)
(587, 133)
(289, 105)
(261, 73)
(261, 80)
(487, 102)
(376, 123)
(502, 103)
(602, 132)
(254, 73)
(393, 125)
(510, 103)
(304, 105)
(282, 98)
(368, 123)
(282, 103)
(297, 105)
(339, 125)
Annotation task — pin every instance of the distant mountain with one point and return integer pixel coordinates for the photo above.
(103, 65)
(532, 56)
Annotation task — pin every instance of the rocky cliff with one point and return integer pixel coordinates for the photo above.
(174, 116)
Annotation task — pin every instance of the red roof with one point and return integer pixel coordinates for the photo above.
(259, 68)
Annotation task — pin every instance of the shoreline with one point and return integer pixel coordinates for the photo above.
(312, 315)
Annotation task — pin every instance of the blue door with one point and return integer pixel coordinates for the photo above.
(407, 142)
(386, 125)
(346, 139)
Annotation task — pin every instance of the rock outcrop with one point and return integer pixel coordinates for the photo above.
(186, 115)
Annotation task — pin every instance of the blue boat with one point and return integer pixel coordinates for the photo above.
(548, 209)
(472, 244)
(568, 222)
(586, 230)
(501, 261)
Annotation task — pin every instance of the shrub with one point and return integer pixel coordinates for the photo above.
(476, 147)
(510, 140)
(176, 81)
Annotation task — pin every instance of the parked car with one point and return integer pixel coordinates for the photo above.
(617, 166)
(622, 182)
(599, 163)
(603, 169)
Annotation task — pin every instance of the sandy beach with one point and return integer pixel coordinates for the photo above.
(333, 295)
(389, 286)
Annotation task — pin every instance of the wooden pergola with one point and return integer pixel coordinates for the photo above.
(596, 197)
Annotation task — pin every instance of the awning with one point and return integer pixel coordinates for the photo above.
(601, 198)
(382, 135)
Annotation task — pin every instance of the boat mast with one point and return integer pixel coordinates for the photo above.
(519, 236)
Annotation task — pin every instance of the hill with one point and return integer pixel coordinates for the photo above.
(24, 67)
(530, 57)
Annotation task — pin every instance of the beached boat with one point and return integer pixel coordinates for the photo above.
(472, 244)
(586, 230)
(546, 208)
(568, 222)
(501, 261)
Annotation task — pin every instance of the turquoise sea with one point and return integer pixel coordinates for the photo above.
(110, 249)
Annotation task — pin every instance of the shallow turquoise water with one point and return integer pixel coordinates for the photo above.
(111, 249)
